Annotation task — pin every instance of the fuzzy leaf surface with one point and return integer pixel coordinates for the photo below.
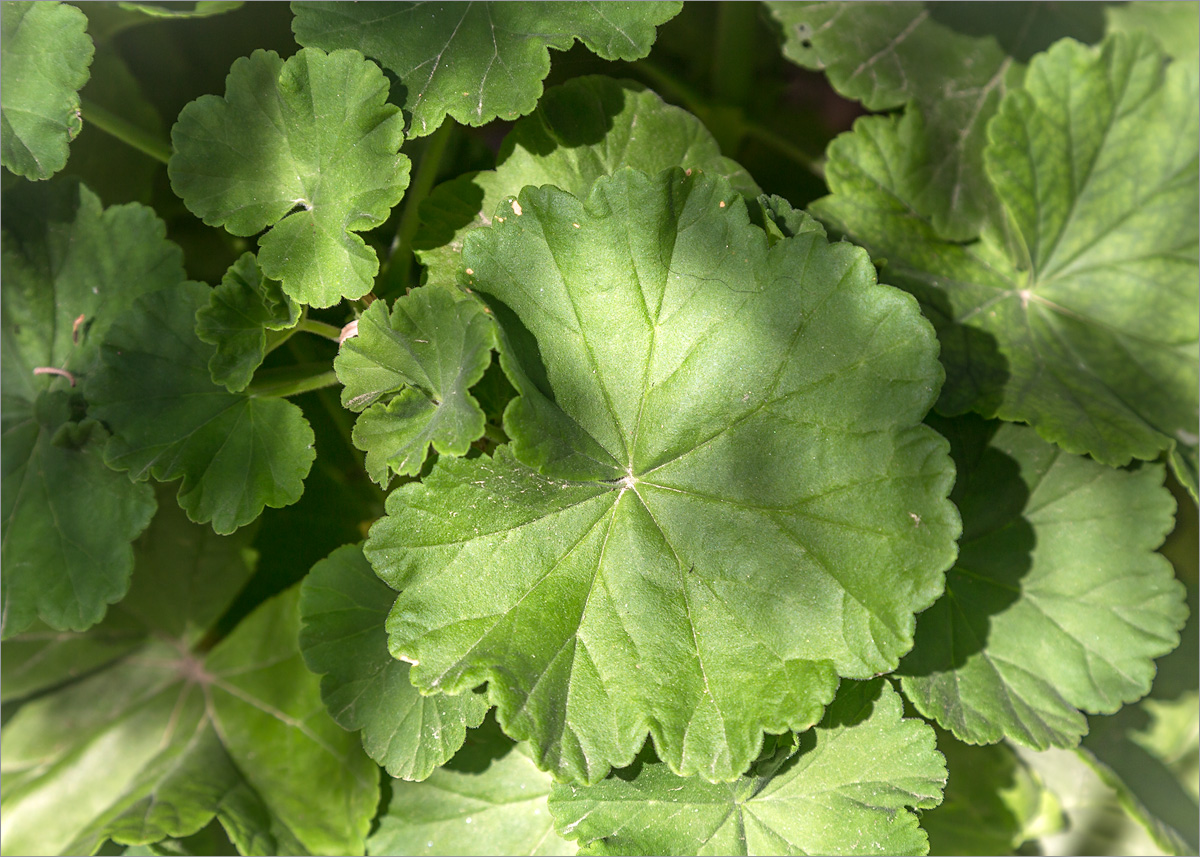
(70, 268)
(489, 799)
(584, 129)
(1058, 601)
(308, 147)
(477, 62)
(717, 476)
(848, 788)
(343, 608)
(429, 351)
(1081, 318)
(240, 311)
(235, 453)
(44, 60)
(163, 739)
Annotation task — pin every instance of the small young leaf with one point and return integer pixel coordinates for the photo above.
(236, 453)
(848, 789)
(343, 606)
(477, 61)
(1081, 318)
(44, 61)
(1058, 601)
(702, 425)
(432, 348)
(239, 313)
(584, 129)
(309, 147)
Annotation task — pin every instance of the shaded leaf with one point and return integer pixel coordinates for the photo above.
(239, 313)
(1058, 601)
(308, 147)
(717, 475)
(235, 453)
(848, 789)
(480, 61)
(1080, 318)
(343, 607)
(431, 349)
(584, 129)
(44, 61)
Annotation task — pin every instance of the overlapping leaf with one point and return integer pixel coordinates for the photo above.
(845, 787)
(1058, 601)
(236, 453)
(70, 268)
(584, 129)
(718, 497)
(477, 61)
(1081, 318)
(161, 741)
(239, 313)
(44, 60)
(343, 606)
(429, 352)
(308, 147)
(490, 799)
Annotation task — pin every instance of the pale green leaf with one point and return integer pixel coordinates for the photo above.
(477, 62)
(343, 607)
(308, 147)
(489, 799)
(44, 62)
(239, 313)
(1058, 601)
(848, 788)
(584, 129)
(235, 453)
(431, 349)
(717, 475)
(1082, 317)
(1175, 24)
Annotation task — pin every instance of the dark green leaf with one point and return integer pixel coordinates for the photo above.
(44, 62)
(343, 607)
(848, 789)
(235, 453)
(477, 61)
(1058, 601)
(309, 147)
(717, 476)
(239, 313)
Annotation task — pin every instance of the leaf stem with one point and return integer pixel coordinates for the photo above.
(732, 72)
(286, 381)
(126, 132)
(400, 253)
(320, 328)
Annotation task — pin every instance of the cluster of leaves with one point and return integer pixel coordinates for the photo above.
(662, 514)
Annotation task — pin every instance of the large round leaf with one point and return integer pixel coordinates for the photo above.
(719, 495)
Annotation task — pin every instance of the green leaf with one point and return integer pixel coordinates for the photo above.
(584, 129)
(430, 351)
(163, 739)
(1175, 25)
(717, 476)
(1081, 318)
(235, 453)
(44, 61)
(848, 789)
(994, 803)
(480, 61)
(239, 313)
(308, 147)
(343, 607)
(70, 267)
(887, 55)
(490, 799)
(1058, 601)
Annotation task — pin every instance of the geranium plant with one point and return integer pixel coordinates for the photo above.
(416, 442)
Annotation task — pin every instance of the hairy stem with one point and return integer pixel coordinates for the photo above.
(286, 381)
(126, 132)
(398, 275)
